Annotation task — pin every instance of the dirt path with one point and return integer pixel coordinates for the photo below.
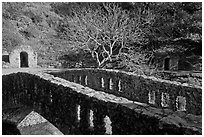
(15, 70)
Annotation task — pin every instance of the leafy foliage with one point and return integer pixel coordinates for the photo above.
(29, 23)
(127, 33)
(176, 20)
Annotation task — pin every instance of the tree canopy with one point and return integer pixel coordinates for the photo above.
(127, 31)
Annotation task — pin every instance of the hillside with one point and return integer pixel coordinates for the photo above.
(33, 24)
(51, 29)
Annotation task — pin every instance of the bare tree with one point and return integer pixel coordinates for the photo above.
(104, 29)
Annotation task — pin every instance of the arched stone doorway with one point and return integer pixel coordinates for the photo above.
(23, 59)
(167, 64)
(23, 56)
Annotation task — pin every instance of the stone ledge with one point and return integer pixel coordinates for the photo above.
(129, 73)
(136, 87)
(163, 115)
(167, 118)
(180, 120)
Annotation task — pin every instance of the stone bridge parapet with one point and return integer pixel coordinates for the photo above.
(155, 92)
(75, 109)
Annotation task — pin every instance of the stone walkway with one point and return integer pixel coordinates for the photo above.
(44, 128)
(15, 70)
(29, 122)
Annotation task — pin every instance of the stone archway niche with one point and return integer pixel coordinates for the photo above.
(23, 56)
(23, 59)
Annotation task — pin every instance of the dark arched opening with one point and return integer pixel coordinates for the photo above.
(24, 59)
(167, 64)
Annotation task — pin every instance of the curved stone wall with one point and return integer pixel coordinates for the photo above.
(155, 92)
(75, 109)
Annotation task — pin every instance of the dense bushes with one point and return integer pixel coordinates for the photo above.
(47, 27)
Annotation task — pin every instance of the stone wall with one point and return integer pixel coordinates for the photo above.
(159, 61)
(14, 56)
(177, 62)
(190, 77)
(75, 109)
(155, 92)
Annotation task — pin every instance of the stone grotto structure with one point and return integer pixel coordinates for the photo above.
(21, 57)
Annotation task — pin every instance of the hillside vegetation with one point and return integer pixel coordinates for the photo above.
(105, 35)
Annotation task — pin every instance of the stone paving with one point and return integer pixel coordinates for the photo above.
(15, 70)
(44, 128)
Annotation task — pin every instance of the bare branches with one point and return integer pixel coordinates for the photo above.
(105, 29)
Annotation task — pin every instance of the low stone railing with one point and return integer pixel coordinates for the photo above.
(156, 92)
(75, 109)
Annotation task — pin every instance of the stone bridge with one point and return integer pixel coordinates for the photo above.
(99, 101)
